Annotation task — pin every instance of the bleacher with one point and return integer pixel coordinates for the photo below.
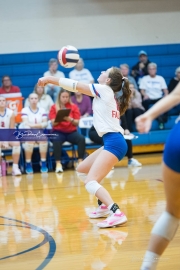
(26, 68)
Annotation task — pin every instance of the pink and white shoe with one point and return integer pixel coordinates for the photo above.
(113, 220)
(16, 172)
(101, 211)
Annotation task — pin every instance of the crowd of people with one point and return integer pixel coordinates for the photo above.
(41, 107)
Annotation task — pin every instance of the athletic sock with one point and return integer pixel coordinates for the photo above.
(150, 261)
(114, 208)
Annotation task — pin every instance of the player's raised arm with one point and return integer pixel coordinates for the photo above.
(68, 84)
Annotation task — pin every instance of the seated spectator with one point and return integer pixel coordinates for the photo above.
(7, 121)
(81, 74)
(51, 89)
(34, 117)
(174, 81)
(132, 162)
(84, 104)
(9, 90)
(44, 101)
(67, 129)
(153, 87)
(135, 107)
(125, 72)
(140, 69)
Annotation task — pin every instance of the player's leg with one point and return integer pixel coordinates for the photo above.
(43, 145)
(16, 149)
(167, 225)
(115, 149)
(28, 149)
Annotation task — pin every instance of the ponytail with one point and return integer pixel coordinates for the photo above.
(124, 99)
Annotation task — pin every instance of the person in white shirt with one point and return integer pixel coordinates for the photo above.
(106, 117)
(44, 100)
(81, 74)
(7, 121)
(34, 117)
(153, 87)
(50, 89)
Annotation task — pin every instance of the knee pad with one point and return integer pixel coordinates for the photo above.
(28, 147)
(82, 176)
(16, 149)
(166, 226)
(92, 187)
(43, 147)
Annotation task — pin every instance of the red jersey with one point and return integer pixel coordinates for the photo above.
(65, 126)
(13, 89)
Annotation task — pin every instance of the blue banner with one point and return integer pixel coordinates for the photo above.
(23, 135)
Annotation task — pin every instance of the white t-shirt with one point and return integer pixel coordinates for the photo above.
(106, 116)
(33, 117)
(5, 118)
(83, 75)
(153, 86)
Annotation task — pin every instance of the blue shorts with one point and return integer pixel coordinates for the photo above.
(115, 143)
(172, 149)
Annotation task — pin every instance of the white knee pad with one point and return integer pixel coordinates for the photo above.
(43, 147)
(28, 147)
(92, 187)
(82, 176)
(166, 226)
(16, 149)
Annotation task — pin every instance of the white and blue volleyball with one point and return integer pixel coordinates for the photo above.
(68, 56)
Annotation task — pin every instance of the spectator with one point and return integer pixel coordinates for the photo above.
(51, 89)
(9, 90)
(153, 87)
(83, 102)
(140, 69)
(81, 74)
(135, 107)
(174, 81)
(125, 72)
(132, 162)
(34, 117)
(67, 129)
(7, 121)
(44, 101)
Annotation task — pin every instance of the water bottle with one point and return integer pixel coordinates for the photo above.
(3, 165)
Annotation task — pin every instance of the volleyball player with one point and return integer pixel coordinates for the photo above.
(34, 117)
(106, 117)
(165, 228)
(7, 121)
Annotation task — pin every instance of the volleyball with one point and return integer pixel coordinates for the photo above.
(68, 56)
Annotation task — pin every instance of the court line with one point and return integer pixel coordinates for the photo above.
(47, 238)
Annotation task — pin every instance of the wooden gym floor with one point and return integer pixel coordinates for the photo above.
(44, 223)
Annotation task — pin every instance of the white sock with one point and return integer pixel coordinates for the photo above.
(43, 159)
(28, 160)
(150, 261)
(109, 207)
(15, 166)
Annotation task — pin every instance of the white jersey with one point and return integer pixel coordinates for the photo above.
(33, 117)
(5, 118)
(106, 116)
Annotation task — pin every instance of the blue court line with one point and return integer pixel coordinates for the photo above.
(47, 238)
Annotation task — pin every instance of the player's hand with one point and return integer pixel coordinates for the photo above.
(42, 81)
(143, 123)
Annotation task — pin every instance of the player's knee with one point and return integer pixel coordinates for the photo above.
(92, 187)
(43, 147)
(16, 149)
(166, 226)
(28, 147)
